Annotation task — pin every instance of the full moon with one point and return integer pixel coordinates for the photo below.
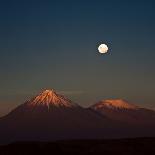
(103, 48)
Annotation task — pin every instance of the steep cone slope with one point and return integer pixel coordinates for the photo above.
(50, 98)
(124, 111)
(51, 116)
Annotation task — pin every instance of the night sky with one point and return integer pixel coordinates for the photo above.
(53, 44)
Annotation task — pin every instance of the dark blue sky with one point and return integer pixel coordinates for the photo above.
(53, 44)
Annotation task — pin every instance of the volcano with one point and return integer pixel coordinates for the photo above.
(125, 112)
(49, 99)
(52, 116)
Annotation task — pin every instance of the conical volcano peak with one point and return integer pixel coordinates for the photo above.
(48, 92)
(116, 103)
(51, 98)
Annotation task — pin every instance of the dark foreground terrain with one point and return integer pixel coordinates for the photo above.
(137, 146)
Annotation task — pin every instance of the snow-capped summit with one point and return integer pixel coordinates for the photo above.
(51, 98)
(115, 104)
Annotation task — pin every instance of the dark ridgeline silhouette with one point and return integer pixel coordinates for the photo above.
(135, 146)
(50, 116)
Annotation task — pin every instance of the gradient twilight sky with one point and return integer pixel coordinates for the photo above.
(53, 44)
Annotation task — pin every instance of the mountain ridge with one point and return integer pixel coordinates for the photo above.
(52, 116)
(122, 110)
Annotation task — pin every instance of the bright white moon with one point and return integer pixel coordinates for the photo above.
(103, 48)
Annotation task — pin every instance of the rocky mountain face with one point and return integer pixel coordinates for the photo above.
(49, 99)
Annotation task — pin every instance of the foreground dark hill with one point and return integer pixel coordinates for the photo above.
(51, 116)
(136, 146)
